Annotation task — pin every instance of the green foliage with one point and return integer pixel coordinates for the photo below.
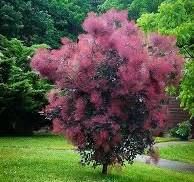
(171, 90)
(38, 21)
(134, 7)
(138, 7)
(21, 91)
(173, 18)
(117, 4)
(187, 88)
(182, 130)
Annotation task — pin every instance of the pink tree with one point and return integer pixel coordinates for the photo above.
(109, 87)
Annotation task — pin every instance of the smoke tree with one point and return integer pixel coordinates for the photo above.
(109, 86)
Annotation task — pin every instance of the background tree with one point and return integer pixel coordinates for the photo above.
(135, 7)
(21, 91)
(40, 21)
(186, 89)
(173, 18)
(109, 87)
(138, 7)
(116, 4)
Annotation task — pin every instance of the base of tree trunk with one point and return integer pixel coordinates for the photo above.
(105, 169)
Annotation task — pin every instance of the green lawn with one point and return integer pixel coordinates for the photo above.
(165, 139)
(43, 159)
(37, 141)
(179, 152)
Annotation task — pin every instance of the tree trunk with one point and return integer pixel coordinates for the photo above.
(104, 169)
(192, 128)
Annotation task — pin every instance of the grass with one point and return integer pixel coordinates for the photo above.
(43, 159)
(180, 152)
(37, 141)
(165, 139)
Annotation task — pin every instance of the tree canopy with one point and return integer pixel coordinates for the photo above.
(173, 18)
(135, 7)
(187, 88)
(37, 21)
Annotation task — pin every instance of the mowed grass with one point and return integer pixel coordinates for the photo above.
(37, 141)
(24, 160)
(165, 139)
(180, 152)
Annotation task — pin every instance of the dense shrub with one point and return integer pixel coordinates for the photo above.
(182, 130)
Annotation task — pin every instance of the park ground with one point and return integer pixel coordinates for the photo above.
(48, 158)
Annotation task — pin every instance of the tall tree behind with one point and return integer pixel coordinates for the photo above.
(21, 91)
(41, 21)
(174, 17)
(135, 7)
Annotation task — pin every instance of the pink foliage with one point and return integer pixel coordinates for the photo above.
(79, 109)
(75, 135)
(96, 98)
(163, 43)
(57, 126)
